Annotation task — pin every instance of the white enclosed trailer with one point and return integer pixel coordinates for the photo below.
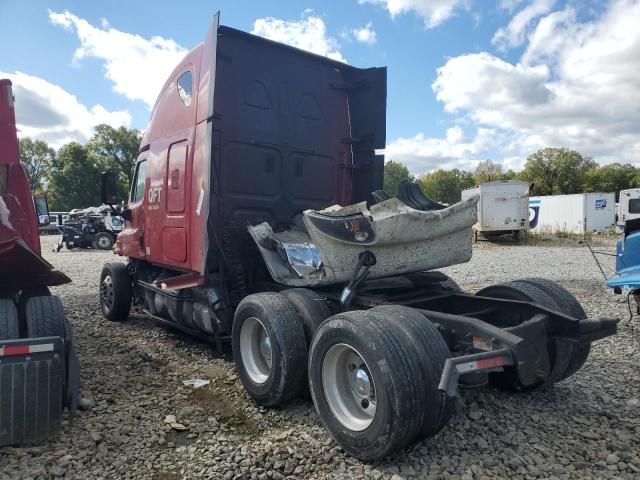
(577, 213)
(503, 206)
(629, 206)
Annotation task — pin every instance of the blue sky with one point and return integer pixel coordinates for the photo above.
(467, 79)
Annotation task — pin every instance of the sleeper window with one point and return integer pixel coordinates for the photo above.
(185, 86)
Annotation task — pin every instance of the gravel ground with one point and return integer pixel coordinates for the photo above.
(586, 427)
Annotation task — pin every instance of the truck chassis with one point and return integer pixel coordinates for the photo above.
(430, 335)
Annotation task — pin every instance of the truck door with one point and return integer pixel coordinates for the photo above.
(132, 236)
(174, 236)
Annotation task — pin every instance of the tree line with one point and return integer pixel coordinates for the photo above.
(549, 171)
(71, 176)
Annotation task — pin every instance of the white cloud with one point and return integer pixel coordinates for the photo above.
(513, 35)
(433, 12)
(576, 85)
(137, 66)
(422, 154)
(365, 34)
(48, 112)
(309, 33)
(509, 5)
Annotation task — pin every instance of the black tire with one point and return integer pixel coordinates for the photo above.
(311, 307)
(433, 352)
(568, 305)
(103, 241)
(22, 303)
(115, 292)
(402, 388)
(72, 388)
(69, 245)
(44, 317)
(559, 356)
(9, 326)
(286, 376)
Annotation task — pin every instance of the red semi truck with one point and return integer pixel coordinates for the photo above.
(39, 371)
(256, 215)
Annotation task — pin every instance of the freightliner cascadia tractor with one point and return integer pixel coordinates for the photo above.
(39, 371)
(256, 215)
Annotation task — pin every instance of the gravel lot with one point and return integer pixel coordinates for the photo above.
(586, 427)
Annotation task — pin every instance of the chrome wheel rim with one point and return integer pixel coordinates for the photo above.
(106, 292)
(256, 350)
(103, 242)
(349, 387)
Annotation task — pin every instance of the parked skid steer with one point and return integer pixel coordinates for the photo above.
(256, 215)
(39, 372)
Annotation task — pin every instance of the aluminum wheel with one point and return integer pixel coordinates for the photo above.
(255, 350)
(106, 292)
(104, 242)
(348, 387)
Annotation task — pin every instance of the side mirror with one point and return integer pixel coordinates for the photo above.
(109, 188)
(42, 209)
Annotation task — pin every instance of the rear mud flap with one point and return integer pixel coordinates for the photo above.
(33, 389)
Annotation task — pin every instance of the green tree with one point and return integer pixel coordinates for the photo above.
(487, 171)
(611, 178)
(116, 149)
(510, 175)
(446, 185)
(74, 180)
(394, 173)
(556, 171)
(36, 157)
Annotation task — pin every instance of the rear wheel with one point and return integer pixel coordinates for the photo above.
(9, 326)
(569, 305)
(103, 241)
(559, 352)
(115, 292)
(311, 307)
(369, 384)
(269, 348)
(432, 352)
(434, 280)
(44, 317)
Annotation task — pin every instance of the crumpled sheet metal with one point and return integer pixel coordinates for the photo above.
(406, 241)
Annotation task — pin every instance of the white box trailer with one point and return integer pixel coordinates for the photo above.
(629, 206)
(578, 213)
(503, 206)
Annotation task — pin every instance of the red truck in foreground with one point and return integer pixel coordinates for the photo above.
(256, 215)
(39, 371)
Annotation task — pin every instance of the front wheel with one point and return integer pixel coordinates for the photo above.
(115, 292)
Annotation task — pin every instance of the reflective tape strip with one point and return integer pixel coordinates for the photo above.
(25, 349)
(483, 364)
